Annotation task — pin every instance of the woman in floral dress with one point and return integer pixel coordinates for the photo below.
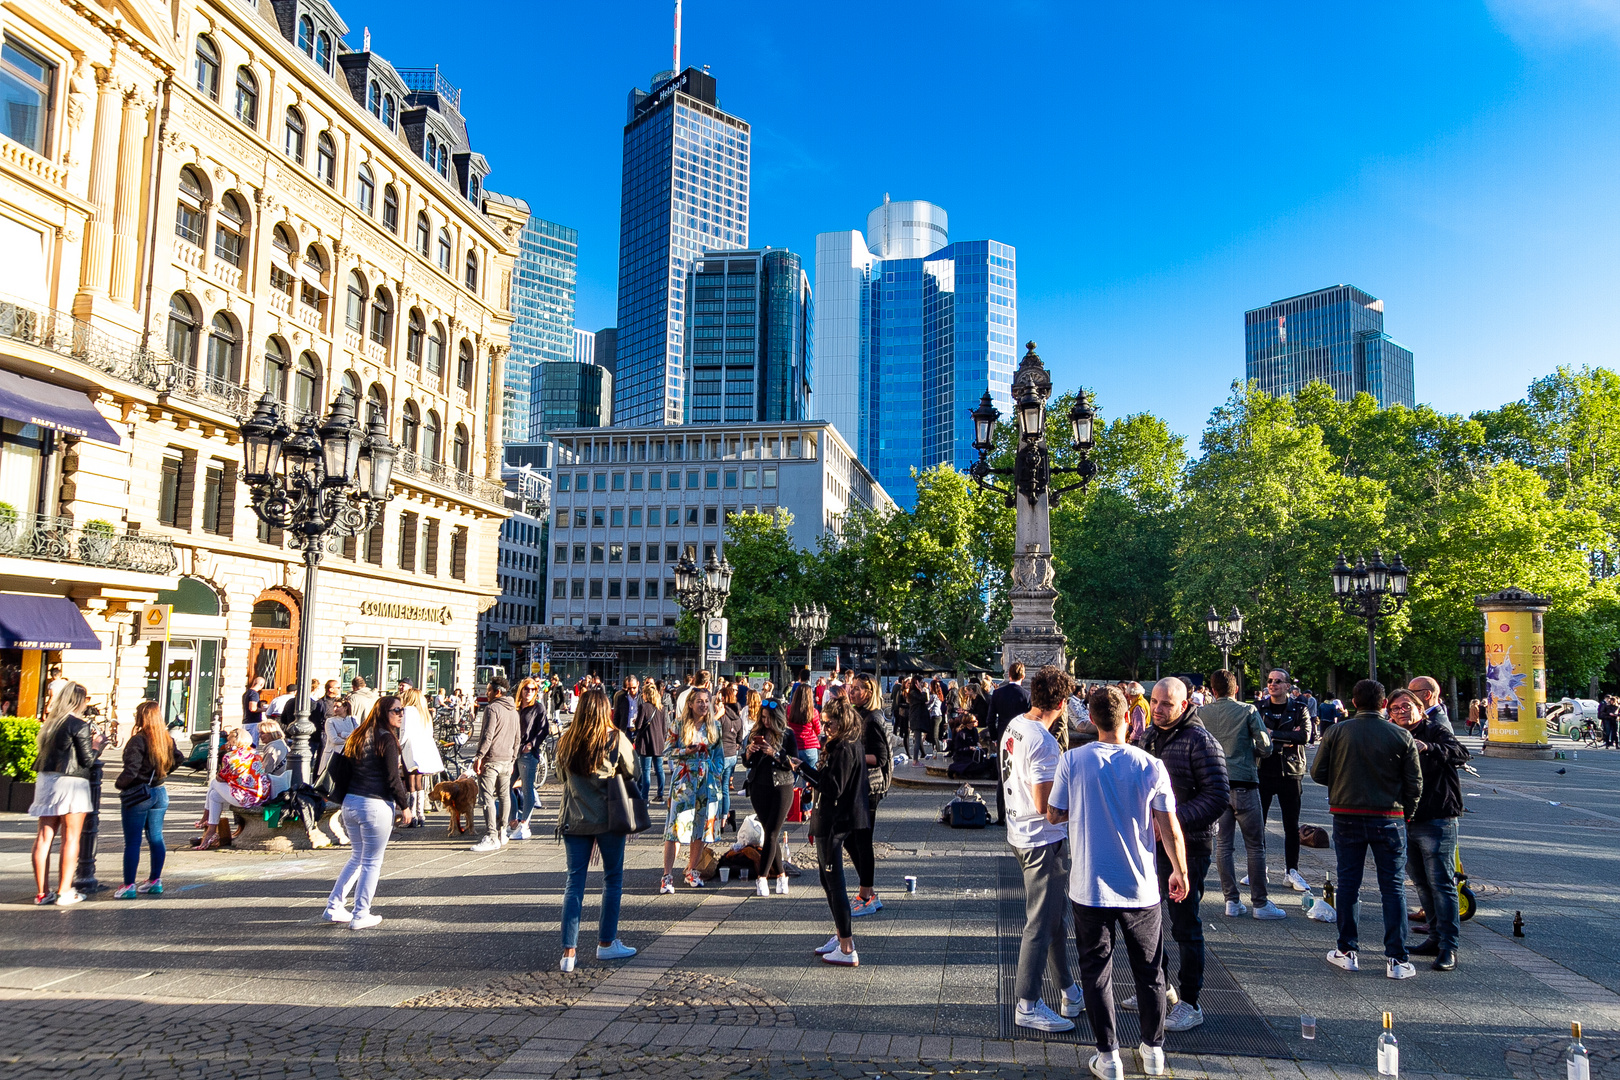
(696, 763)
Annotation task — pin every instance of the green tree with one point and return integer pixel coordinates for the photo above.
(769, 575)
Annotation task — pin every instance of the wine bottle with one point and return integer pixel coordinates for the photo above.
(1389, 1052)
(1576, 1064)
(1327, 889)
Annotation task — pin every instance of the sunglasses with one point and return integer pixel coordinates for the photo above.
(392, 712)
(1279, 682)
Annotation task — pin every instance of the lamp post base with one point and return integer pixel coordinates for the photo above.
(1034, 649)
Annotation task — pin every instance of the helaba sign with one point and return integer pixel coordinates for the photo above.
(384, 609)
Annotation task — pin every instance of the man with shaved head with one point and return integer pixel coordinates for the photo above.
(1428, 692)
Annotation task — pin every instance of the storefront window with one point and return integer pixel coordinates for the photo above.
(441, 672)
(182, 676)
(359, 660)
(404, 664)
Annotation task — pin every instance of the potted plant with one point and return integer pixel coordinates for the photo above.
(96, 545)
(8, 526)
(19, 738)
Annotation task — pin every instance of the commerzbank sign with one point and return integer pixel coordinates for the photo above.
(386, 609)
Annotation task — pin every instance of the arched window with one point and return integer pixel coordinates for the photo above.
(415, 335)
(306, 35)
(281, 271)
(382, 317)
(182, 339)
(208, 67)
(435, 350)
(351, 386)
(275, 368)
(354, 313)
(462, 449)
(271, 615)
(444, 160)
(188, 210)
(376, 404)
(307, 383)
(444, 250)
(294, 143)
(432, 152)
(410, 427)
(231, 229)
(326, 159)
(472, 270)
(374, 98)
(472, 188)
(388, 111)
(424, 233)
(223, 349)
(390, 208)
(368, 191)
(433, 438)
(315, 290)
(464, 366)
(323, 51)
(247, 97)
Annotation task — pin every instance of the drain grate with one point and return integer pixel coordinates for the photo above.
(1232, 1024)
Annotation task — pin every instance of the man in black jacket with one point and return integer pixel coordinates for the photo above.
(1197, 768)
(1009, 701)
(626, 704)
(1431, 832)
(1282, 775)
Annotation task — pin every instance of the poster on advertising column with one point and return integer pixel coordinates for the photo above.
(1515, 669)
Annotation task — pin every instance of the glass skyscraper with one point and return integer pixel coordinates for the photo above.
(911, 331)
(566, 394)
(749, 326)
(685, 191)
(1333, 335)
(543, 283)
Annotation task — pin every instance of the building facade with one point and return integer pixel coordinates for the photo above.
(569, 395)
(685, 191)
(749, 328)
(605, 348)
(912, 330)
(628, 503)
(584, 346)
(543, 288)
(1333, 335)
(216, 201)
(520, 571)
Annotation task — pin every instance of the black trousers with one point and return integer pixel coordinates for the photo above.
(1142, 930)
(1287, 789)
(1609, 734)
(830, 863)
(771, 806)
(1186, 928)
(862, 855)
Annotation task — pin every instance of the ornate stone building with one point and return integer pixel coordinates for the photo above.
(210, 201)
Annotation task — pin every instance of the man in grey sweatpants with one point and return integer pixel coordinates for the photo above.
(1243, 736)
(497, 754)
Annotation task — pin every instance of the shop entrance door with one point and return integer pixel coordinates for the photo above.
(273, 640)
(182, 676)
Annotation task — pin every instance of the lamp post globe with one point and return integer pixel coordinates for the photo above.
(1370, 592)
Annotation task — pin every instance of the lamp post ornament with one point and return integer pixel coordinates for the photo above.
(1032, 636)
(315, 482)
(703, 590)
(1224, 634)
(1370, 592)
(809, 625)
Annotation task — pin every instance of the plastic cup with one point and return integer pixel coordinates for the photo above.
(1307, 1026)
(911, 883)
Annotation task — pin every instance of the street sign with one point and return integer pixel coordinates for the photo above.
(716, 642)
(153, 622)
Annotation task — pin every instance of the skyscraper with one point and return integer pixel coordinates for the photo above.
(685, 191)
(584, 346)
(911, 330)
(607, 349)
(1333, 335)
(564, 394)
(748, 338)
(543, 284)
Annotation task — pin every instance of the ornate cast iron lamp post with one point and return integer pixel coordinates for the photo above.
(1224, 634)
(808, 626)
(1157, 647)
(703, 591)
(1370, 593)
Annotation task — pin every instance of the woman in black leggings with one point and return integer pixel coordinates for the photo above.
(770, 758)
(841, 810)
(867, 698)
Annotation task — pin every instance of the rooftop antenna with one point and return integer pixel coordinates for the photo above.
(677, 64)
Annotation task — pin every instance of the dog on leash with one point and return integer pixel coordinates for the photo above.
(460, 797)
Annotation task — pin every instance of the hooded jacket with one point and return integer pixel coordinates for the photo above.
(498, 743)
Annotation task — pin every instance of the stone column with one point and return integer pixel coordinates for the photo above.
(131, 186)
(1032, 635)
(103, 185)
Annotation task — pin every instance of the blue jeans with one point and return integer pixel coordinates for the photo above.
(725, 787)
(578, 848)
(147, 818)
(369, 822)
(527, 801)
(1431, 854)
(811, 757)
(647, 764)
(1353, 836)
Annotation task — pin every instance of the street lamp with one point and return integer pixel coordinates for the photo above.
(888, 642)
(1224, 634)
(1032, 635)
(808, 626)
(1472, 652)
(314, 481)
(1157, 647)
(702, 591)
(1370, 592)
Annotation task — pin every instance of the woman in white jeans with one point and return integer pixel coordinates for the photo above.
(376, 789)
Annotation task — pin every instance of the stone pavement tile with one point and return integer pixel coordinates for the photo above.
(511, 1022)
(727, 1038)
(698, 1036)
(906, 1047)
(786, 1039)
(617, 1033)
(1067, 1055)
(966, 1049)
(996, 1050)
(874, 1046)
(756, 1038)
(934, 1048)
(843, 1042)
(813, 1042)
(583, 1027)
(1029, 1052)
(669, 1035)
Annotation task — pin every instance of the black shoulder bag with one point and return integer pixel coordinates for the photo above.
(626, 810)
(333, 783)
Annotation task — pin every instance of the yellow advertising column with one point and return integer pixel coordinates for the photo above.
(1515, 674)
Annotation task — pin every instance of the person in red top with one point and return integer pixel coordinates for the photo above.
(805, 721)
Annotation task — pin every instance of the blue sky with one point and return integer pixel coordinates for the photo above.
(1159, 167)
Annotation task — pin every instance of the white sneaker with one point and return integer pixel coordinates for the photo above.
(566, 964)
(491, 842)
(504, 837)
(365, 922)
(831, 946)
(1171, 997)
(1040, 1018)
(667, 885)
(1236, 909)
(1071, 1006)
(1344, 961)
(337, 914)
(1396, 969)
(616, 951)
(1107, 1066)
(1151, 1058)
(762, 887)
(1268, 910)
(72, 896)
(522, 832)
(1183, 1017)
(840, 957)
(782, 885)
(1297, 881)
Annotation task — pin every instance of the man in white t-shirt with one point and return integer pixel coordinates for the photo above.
(1029, 764)
(1112, 796)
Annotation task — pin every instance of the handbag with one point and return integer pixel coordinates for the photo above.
(333, 783)
(626, 810)
(136, 794)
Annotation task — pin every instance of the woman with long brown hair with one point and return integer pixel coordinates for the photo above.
(149, 757)
(694, 799)
(589, 754)
(841, 809)
(417, 752)
(770, 758)
(68, 749)
(652, 731)
(804, 719)
(376, 789)
(534, 728)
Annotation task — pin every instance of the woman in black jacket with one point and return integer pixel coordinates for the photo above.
(652, 729)
(770, 757)
(149, 757)
(841, 809)
(376, 789)
(867, 698)
(68, 748)
(534, 728)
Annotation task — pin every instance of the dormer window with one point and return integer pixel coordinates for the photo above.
(306, 35)
(432, 153)
(374, 99)
(388, 111)
(323, 51)
(472, 188)
(444, 161)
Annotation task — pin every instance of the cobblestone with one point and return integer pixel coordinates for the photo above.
(691, 997)
(530, 990)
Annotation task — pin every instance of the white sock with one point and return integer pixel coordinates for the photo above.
(1074, 993)
(1026, 1004)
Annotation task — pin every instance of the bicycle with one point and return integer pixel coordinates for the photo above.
(451, 731)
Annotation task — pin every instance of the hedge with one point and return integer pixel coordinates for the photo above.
(19, 747)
